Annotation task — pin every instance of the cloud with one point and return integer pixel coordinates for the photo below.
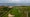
(14, 1)
(3, 1)
(19, 1)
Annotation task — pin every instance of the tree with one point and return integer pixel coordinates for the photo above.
(4, 11)
(27, 9)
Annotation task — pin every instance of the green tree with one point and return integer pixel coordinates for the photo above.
(27, 9)
(4, 11)
(15, 11)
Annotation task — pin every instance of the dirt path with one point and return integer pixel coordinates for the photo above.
(9, 15)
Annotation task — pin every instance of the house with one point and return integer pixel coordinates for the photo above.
(10, 6)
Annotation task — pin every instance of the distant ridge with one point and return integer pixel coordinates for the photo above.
(15, 4)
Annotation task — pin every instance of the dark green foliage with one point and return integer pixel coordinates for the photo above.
(4, 11)
(5, 8)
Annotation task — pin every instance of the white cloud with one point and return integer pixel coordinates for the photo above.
(14, 1)
(19, 1)
(3, 1)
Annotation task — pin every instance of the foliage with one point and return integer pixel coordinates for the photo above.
(4, 11)
(25, 9)
(17, 11)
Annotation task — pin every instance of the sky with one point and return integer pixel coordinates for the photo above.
(14, 1)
